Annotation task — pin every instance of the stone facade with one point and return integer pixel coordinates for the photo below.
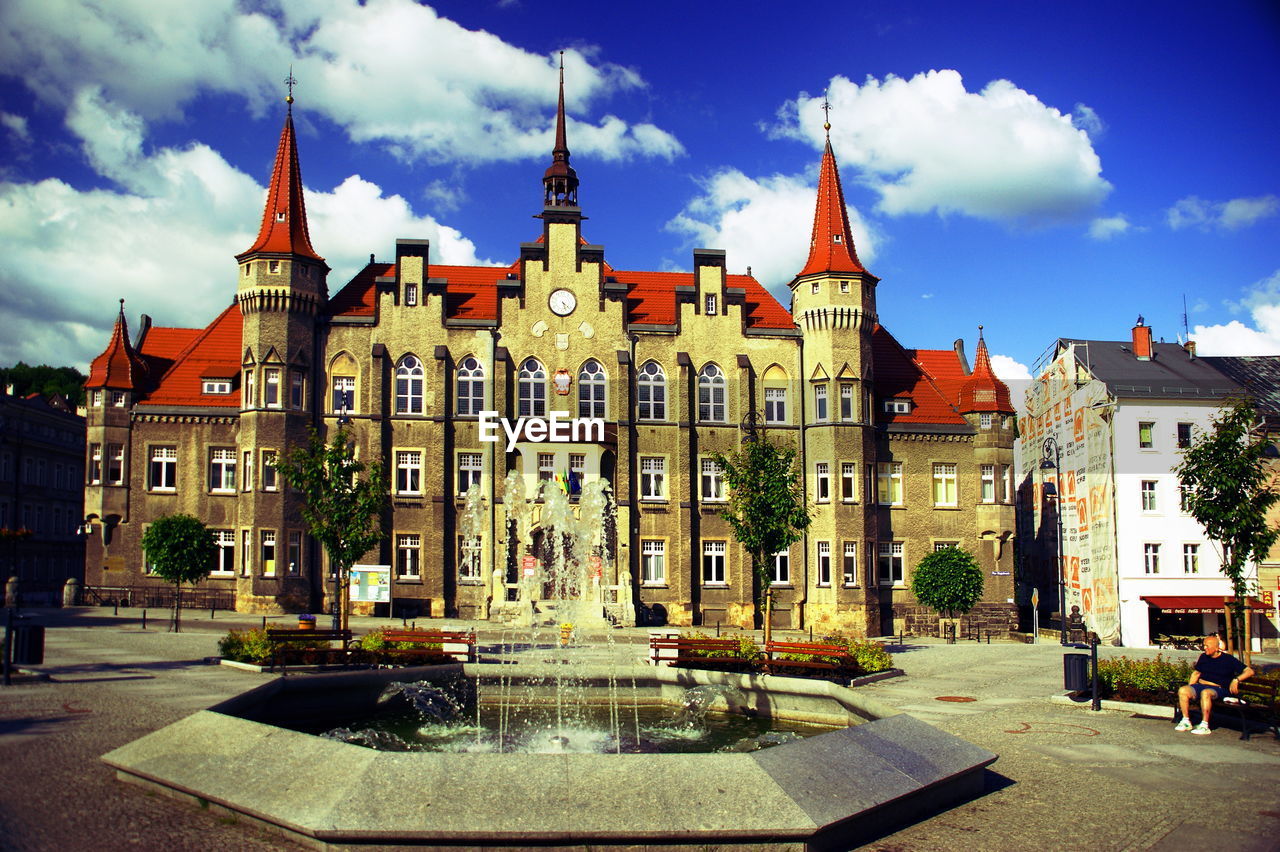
(678, 365)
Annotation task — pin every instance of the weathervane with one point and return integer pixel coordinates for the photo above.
(290, 82)
(826, 113)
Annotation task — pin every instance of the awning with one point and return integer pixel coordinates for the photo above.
(1178, 604)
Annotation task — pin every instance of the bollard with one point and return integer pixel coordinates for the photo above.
(115, 607)
(264, 622)
(144, 619)
(1096, 704)
(810, 632)
(717, 630)
(211, 613)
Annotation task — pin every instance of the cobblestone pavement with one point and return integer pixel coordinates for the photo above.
(1067, 778)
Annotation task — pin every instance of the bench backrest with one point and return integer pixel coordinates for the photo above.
(317, 635)
(429, 636)
(817, 648)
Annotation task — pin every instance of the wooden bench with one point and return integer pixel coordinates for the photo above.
(837, 659)
(281, 640)
(454, 644)
(1259, 699)
(696, 651)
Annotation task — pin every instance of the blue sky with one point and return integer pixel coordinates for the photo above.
(1043, 172)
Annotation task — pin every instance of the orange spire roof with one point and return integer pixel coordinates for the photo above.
(981, 390)
(832, 247)
(118, 366)
(284, 220)
(560, 181)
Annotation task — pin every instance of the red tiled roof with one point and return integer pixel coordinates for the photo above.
(214, 351)
(901, 373)
(284, 219)
(167, 342)
(118, 366)
(651, 298)
(982, 391)
(831, 248)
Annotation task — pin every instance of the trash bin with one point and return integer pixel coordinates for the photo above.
(1075, 672)
(28, 644)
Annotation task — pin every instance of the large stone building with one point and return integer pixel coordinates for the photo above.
(901, 450)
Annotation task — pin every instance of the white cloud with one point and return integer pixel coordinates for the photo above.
(764, 223)
(16, 124)
(1239, 338)
(1087, 119)
(1104, 228)
(927, 144)
(1008, 369)
(166, 240)
(470, 97)
(1196, 212)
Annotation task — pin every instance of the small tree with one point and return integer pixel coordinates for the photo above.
(181, 550)
(766, 509)
(343, 500)
(948, 581)
(1227, 488)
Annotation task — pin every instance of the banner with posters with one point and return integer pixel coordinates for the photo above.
(1066, 404)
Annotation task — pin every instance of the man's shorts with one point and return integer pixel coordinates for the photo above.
(1219, 692)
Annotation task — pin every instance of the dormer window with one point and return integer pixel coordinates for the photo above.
(215, 386)
(838, 238)
(710, 304)
(897, 406)
(281, 216)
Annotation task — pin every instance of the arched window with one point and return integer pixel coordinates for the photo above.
(591, 390)
(651, 392)
(711, 394)
(342, 377)
(470, 386)
(533, 389)
(775, 395)
(409, 386)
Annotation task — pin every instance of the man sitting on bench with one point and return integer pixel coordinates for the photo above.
(1216, 675)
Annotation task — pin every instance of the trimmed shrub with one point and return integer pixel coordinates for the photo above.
(246, 646)
(870, 656)
(1148, 681)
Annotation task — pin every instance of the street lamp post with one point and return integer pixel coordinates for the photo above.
(1052, 460)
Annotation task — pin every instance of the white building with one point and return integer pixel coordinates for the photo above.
(1113, 417)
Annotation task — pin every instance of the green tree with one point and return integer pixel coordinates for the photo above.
(948, 581)
(1226, 483)
(180, 550)
(44, 380)
(766, 508)
(343, 502)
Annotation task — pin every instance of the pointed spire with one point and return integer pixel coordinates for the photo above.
(981, 390)
(831, 249)
(284, 220)
(560, 181)
(119, 366)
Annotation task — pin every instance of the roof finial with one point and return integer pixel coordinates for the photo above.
(290, 82)
(122, 306)
(826, 112)
(979, 332)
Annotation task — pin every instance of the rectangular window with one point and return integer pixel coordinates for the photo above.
(897, 406)
(850, 566)
(1146, 436)
(577, 473)
(1148, 495)
(820, 402)
(1190, 559)
(411, 294)
(775, 405)
(653, 478)
(1184, 498)
(115, 464)
(822, 482)
(268, 553)
(713, 556)
(246, 552)
(224, 554)
(889, 483)
(546, 466)
(653, 562)
(215, 386)
(117, 399)
(780, 574)
(987, 484)
(247, 471)
(1151, 558)
(710, 304)
(270, 476)
(271, 396)
(824, 563)
(297, 386)
(890, 563)
(95, 399)
(163, 470)
(844, 285)
(344, 394)
(246, 386)
(712, 481)
(1007, 497)
(848, 481)
(95, 464)
(984, 420)
(815, 288)
(470, 465)
(409, 557)
(944, 484)
(846, 402)
(1184, 435)
(222, 470)
(409, 472)
(295, 552)
(468, 558)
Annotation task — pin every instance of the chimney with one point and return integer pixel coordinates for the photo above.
(1142, 341)
(1191, 350)
(958, 346)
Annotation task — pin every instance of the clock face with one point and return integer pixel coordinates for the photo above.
(563, 302)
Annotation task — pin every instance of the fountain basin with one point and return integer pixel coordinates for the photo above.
(823, 791)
